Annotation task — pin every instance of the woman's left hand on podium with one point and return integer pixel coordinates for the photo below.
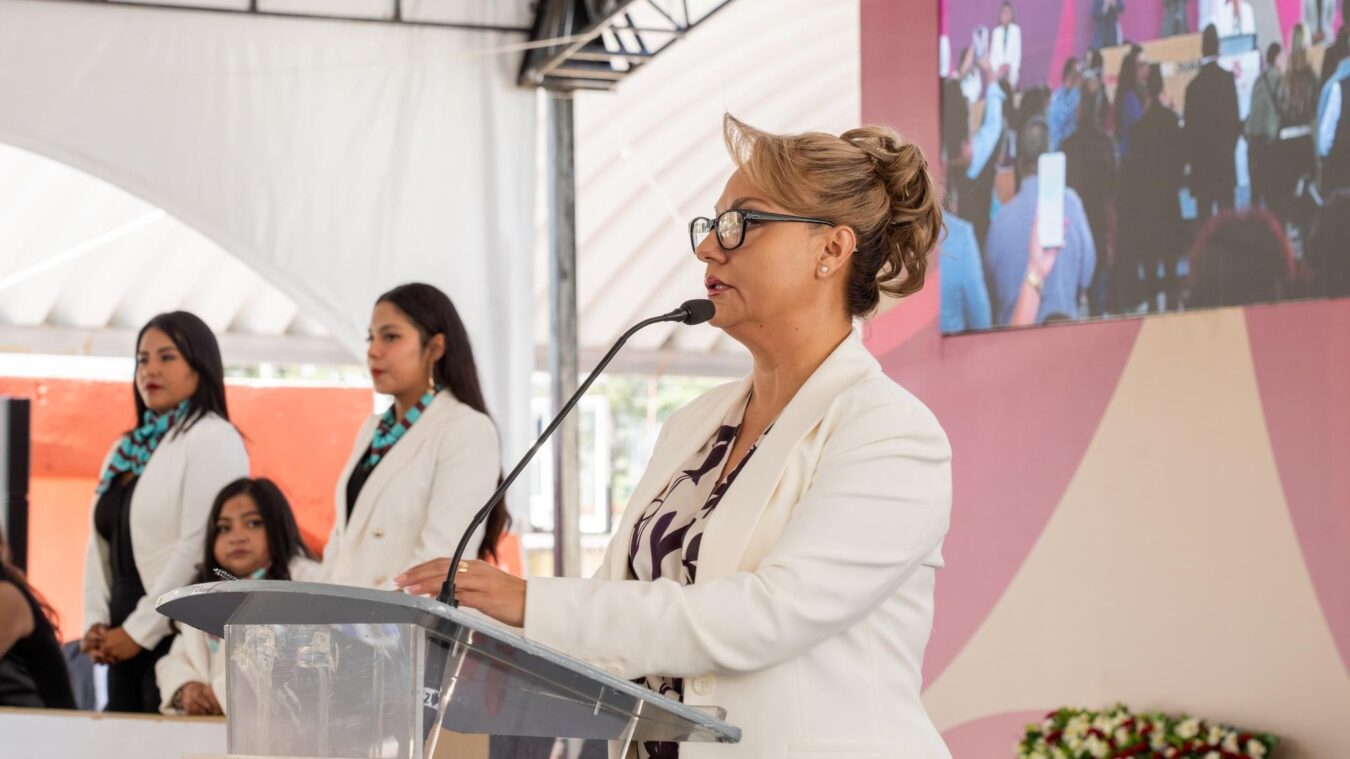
(478, 585)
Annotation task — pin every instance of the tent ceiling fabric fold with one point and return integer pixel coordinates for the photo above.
(650, 157)
(333, 159)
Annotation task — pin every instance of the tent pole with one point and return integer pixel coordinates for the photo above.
(563, 343)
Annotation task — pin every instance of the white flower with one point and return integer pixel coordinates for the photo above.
(1213, 755)
(1256, 748)
(1122, 736)
(1075, 728)
(1230, 743)
(1097, 747)
(1189, 729)
(1215, 735)
(1158, 738)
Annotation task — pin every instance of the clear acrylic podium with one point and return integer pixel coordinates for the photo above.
(335, 672)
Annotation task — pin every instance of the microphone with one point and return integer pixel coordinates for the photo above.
(690, 312)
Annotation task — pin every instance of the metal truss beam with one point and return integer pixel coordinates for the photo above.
(394, 15)
(595, 44)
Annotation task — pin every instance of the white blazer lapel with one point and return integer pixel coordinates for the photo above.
(682, 441)
(398, 457)
(731, 525)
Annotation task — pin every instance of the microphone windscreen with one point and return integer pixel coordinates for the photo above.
(700, 310)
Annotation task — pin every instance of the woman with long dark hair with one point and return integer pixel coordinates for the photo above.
(250, 533)
(149, 512)
(32, 668)
(419, 471)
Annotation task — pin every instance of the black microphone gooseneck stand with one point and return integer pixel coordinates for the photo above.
(690, 312)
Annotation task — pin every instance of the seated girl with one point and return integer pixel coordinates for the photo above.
(250, 534)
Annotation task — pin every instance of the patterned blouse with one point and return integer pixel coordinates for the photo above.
(666, 538)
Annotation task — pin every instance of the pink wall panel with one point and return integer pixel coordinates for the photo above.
(1302, 357)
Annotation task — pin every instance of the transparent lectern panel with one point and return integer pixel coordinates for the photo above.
(491, 688)
(305, 682)
(331, 690)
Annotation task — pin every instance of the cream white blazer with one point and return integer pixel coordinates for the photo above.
(169, 508)
(420, 498)
(814, 599)
(1005, 46)
(191, 660)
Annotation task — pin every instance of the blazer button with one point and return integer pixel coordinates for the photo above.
(377, 532)
(702, 684)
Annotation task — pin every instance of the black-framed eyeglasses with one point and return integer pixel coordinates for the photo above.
(730, 226)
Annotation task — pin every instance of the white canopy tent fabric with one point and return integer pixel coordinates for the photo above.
(346, 157)
(650, 157)
(335, 159)
(83, 264)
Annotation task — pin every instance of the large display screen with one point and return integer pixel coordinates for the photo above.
(1205, 158)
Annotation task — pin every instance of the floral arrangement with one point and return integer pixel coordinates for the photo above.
(1117, 733)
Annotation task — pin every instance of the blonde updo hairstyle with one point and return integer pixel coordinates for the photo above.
(869, 179)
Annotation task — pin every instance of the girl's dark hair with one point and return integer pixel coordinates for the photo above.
(11, 573)
(197, 344)
(432, 313)
(283, 536)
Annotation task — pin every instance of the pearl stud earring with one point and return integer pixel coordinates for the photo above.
(824, 269)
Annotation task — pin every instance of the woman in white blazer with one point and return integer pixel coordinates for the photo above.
(796, 588)
(1005, 46)
(153, 497)
(250, 533)
(418, 472)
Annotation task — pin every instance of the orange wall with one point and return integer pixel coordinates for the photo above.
(299, 437)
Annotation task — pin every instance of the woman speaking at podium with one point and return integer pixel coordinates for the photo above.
(418, 472)
(778, 556)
